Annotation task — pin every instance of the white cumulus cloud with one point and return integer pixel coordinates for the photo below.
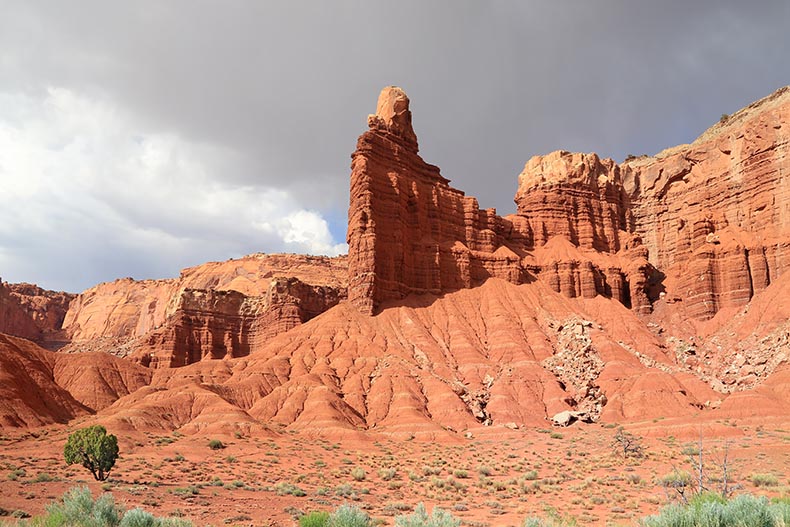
(88, 194)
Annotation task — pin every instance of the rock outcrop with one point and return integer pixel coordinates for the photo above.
(475, 357)
(216, 324)
(217, 310)
(409, 232)
(39, 387)
(31, 312)
(715, 214)
(706, 223)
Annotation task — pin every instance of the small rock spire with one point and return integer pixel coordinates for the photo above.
(393, 115)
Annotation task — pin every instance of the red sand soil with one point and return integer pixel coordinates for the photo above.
(497, 477)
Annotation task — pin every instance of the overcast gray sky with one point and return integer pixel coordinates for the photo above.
(140, 137)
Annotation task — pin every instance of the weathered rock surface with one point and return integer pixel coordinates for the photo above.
(409, 232)
(470, 358)
(31, 312)
(216, 324)
(706, 223)
(715, 214)
(216, 310)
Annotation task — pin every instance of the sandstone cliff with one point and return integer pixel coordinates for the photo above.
(408, 230)
(707, 223)
(31, 312)
(715, 214)
(216, 310)
(411, 232)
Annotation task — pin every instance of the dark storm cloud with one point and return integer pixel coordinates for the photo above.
(284, 88)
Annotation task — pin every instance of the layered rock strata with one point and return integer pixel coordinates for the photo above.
(715, 214)
(31, 312)
(217, 310)
(39, 387)
(214, 324)
(411, 232)
(706, 223)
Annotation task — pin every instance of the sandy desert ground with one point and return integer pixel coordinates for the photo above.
(496, 477)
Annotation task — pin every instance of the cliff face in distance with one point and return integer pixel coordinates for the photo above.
(212, 311)
(705, 224)
(31, 312)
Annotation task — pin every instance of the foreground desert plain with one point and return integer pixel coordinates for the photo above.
(441, 360)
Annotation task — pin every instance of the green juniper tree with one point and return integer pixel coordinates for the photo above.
(93, 449)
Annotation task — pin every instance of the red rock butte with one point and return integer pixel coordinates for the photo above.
(705, 224)
(652, 288)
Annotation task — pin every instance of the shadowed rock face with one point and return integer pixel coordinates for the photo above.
(706, 223)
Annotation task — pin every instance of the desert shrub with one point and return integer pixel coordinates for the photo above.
(174, 522)
(138, 518)
(349, 516)
(677, 479)
(627, 444)
(781, 511)
(93, 449)
(216, 444)
(314, 519)
(555, 521)
(77, 508)
(633, 479)
(711, 510)
(344, 490)
(358, 473)
(690, 450)
(420, 518)
(290, 489)
(428, 470)
(485, 470)
(387, 473)
(764, 480)
(16, 474)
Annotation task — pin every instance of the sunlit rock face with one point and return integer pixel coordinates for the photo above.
(707, 223)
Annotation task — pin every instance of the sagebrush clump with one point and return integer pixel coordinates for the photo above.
(77, 508)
